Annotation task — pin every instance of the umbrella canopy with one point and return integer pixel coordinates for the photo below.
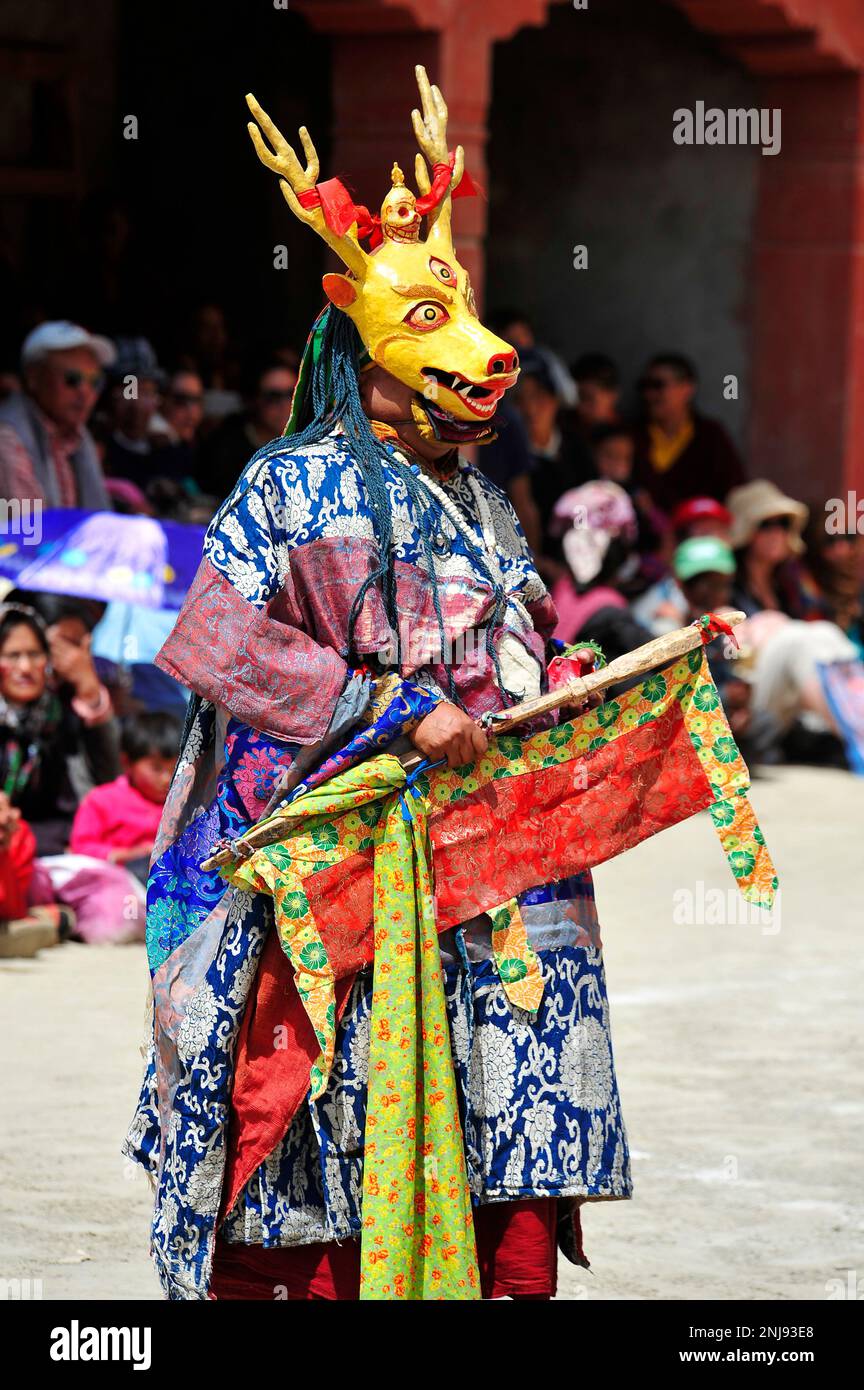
(106, 556)
(130, 634)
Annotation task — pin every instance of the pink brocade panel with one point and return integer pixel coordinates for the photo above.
(326, 575)
(281, 668)
(270, 675)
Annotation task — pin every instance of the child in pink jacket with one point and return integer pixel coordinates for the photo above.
(119, 820)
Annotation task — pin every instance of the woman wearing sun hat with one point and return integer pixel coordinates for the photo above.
(805, 676)
(766, 536)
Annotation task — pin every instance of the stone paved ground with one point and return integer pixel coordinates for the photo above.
(739, 1060)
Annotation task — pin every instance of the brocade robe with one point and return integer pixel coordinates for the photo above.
(262, 642)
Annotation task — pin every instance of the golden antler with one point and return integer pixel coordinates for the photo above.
(430, 130)
(294, 179)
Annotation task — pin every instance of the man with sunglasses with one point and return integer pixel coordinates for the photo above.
(47, 454)
(679, 452)
(182, 410)
(226, 452)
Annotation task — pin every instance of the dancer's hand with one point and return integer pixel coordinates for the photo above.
(588, 660)
(449, 733)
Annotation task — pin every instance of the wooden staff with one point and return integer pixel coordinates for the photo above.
(639, 662)
(659, 652)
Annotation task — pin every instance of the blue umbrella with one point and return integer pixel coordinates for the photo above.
(106, 556)
(130, 634)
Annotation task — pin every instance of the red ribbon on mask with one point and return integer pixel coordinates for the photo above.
(341, 212)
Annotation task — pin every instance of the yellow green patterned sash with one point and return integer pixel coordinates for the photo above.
(418, 1231)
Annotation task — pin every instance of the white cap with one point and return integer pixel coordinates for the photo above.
(59, 334)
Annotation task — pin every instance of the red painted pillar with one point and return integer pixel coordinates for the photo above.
(807, 422)
(375, 46)
(374, 91)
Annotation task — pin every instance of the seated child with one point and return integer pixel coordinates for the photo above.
(612, 450)
(119, 821)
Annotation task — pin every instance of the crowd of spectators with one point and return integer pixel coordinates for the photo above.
(95, 423)
(640, 520)
(643, 519)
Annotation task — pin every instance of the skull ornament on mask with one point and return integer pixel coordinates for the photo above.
(410, 300)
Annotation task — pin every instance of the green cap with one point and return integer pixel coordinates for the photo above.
(702, 555)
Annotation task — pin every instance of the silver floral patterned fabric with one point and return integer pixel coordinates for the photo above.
(539, 1106)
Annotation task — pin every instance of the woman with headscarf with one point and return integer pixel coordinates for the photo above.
(599, 528)
(57, 740)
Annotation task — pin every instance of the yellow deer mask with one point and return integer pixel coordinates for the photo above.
(411, 300)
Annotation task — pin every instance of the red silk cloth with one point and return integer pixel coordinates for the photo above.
(711, 626)
(276, 1048)
(519, 832)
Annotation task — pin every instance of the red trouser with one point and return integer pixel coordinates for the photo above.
(516, 1252)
